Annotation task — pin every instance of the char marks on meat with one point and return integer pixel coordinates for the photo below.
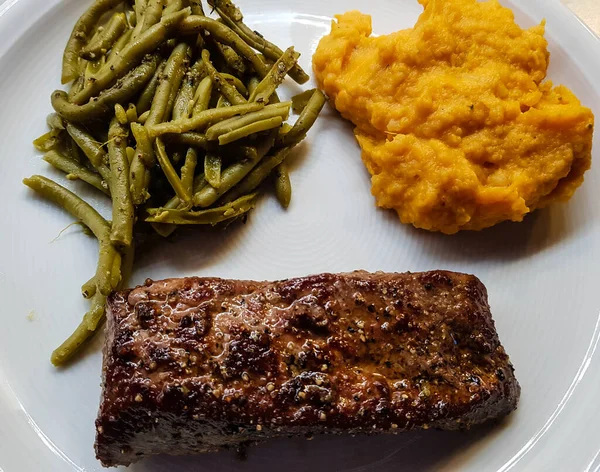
(197, 364)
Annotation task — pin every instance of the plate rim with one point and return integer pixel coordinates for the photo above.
(16, 20)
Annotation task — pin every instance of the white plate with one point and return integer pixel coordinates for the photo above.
(542, 275)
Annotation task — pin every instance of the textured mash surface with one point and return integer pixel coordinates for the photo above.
(457, 126)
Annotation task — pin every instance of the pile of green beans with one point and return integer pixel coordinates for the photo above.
(172, 115)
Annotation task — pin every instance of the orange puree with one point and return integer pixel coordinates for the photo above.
(457, 126)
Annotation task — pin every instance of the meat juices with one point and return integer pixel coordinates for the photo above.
(197, 364)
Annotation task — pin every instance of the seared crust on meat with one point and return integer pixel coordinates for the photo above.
(196, 364)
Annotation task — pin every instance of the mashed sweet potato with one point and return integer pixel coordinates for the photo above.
(456, 124)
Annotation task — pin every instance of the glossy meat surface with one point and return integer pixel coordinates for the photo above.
(196, 364)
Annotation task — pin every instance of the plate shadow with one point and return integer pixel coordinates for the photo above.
(414, 451)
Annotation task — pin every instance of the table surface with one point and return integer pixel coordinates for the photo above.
(588, 11)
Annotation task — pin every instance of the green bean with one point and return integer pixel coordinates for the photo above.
(88, 289)
(285, 129)
(283, 185)
(145, 99)
(135, 32)
(253, 128)
(140, 8)
(86, 142)
(93, 318)
(142, 160)
(172, 6)
(84, 26)
(198, 183)
(223, 86)
(74, 205)
(143, 117)
(188, 169)
(165, 230)
(202, 119)
(119, 272)
(159, 102)
(274, 78)
(182, 109)
(175, 80)
(120, 114)
(152, 15)
(127, 258)
(222, 102)
(72, 168)
(162, 104)
(232, 124)
(131, 54)
(252, 84)
(232, 59)
(115, 274)
(97, 33)
(71, 149)
(120, 44)
(92, 68)
(305, 120)
(202, 111)
(123, 90)
(131, 18)
(55, 122)
(173, 72)
(212, 170)
(130, 152)
(145, 179)
(258, 174)
(169, 171)
(233, 12)
(144, 144)
(202, 96)
(48, 141)
(232, 17)
(237, 83)
(122, 211)
(65, 352)
(224, 35)
(92, 149)
(196, 140)
(231, 176)
(184, 101)
(122, 264)
(83, 212)
(211, 216)
(236, 152)
(300, 100)
(131, 112)
(196, 6)
(111, 33)
(76, 87)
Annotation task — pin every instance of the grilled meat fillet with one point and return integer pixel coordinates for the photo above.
(197, 364)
